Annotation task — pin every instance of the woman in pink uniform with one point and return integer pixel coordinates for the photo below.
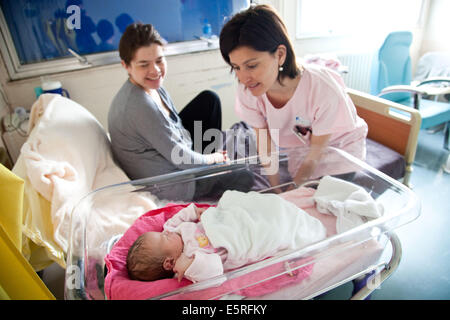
(304, 108)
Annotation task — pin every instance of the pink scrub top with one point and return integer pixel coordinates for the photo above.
(319, 105)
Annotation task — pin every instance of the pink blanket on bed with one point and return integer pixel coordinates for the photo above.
(118, 286)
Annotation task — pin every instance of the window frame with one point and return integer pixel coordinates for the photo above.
(18, 71)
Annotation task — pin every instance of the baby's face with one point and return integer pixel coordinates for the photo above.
(169, 243)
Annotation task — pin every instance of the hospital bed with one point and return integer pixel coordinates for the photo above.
(79, 203)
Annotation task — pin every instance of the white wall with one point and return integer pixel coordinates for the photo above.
(3, 78)
(3, 106)
(436, 36)
(95, 88)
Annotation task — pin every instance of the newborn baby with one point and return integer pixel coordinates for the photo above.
(200, 243)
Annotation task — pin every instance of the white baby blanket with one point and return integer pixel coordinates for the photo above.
(351, 204)
(252, 226)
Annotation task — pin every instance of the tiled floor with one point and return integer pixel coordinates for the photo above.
(423, 272)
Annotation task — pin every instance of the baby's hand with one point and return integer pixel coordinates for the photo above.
(181, 265)
(199, 211)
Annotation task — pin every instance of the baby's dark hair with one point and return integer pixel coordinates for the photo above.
(144, 264)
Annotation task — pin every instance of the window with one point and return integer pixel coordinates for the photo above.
(37, 34)
(345, 17)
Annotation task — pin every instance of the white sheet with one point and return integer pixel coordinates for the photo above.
(252, 226)
(351, 204)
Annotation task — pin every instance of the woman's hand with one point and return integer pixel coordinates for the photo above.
(218, 157)
(312, 159)
(181, 265)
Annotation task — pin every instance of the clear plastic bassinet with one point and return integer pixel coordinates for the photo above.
(329, 263)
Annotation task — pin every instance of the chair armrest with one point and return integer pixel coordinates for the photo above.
(436, 91)
(432, 90)
(403, 88)
(434, 80)
(417, 92)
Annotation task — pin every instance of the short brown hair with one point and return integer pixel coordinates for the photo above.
(144, 264)
(137, 35)
(262, 29)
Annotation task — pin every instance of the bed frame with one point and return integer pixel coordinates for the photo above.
(391, 124)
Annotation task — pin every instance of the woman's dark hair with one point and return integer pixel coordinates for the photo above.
(137, 35)
(260, 28)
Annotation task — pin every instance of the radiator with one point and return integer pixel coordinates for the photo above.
(358, 76)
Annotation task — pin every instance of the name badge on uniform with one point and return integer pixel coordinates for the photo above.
(302, 129)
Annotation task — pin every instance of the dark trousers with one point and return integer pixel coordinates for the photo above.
(213, 187)
(205, 107)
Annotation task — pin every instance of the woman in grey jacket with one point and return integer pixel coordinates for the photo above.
(148, 136)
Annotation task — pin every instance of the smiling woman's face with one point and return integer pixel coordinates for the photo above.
(257, 70)
(148, 67)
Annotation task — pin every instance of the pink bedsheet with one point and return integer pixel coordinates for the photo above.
(118, 286)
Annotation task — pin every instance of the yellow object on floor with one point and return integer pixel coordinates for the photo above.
(38, 244)
(11, 201)
(18, 280)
